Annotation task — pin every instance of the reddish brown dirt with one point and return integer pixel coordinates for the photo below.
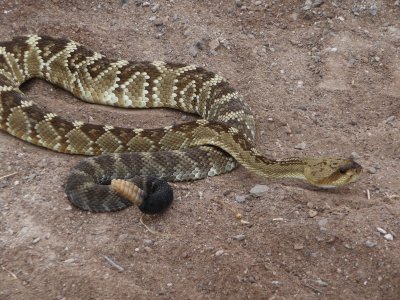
(328, 76)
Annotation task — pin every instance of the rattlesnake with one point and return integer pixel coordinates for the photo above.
(222, 137)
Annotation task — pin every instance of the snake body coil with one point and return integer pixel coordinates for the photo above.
(214, 144)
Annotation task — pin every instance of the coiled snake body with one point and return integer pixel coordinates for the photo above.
(214, 144)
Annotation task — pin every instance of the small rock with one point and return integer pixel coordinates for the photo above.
(354, 155)
(240, 198)
(373, 9)
(381, 230)
(370, 244)
(300, 146)
(30, 177)
(146, 4)
(371, 170)
(147, 242)
(238, 3)
(294, 16)
(348, 246)
(323, 222)
(312, 3)
(300, 83)
(219, 253)
(214, 44)
(321, 282)
(298, 246)
(239, 237)
(155, 8)
(388, 237)
(158, 22)
(69, 260)
(390, 119)
(35, 241)
(193, 50)
(257, 2)
(276, 282)
(312, 213)
(200, 45)
(258, 190)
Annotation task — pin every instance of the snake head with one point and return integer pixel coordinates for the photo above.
(331, 172)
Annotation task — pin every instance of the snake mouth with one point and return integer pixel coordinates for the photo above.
(345, 174)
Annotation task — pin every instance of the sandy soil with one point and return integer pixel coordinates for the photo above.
(328, 77)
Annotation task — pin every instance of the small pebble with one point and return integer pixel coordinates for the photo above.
(219, 253)
(298, 246)
(240, 198)
(371, 170)
(258, 190)
(238, 3)
(276, 282)
(35, 241)
(321, 282)
(146, 4)
(381, 230)
(312, 213)
(390, 119)
(323, 222)
(373, 9)
(370, 244)
(300, 146)
(193, 50)
(214, 44)
(155, 8)
(388, 237)
(147, 242)
(239, 237)
(354, 155)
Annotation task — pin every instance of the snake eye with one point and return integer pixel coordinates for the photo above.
(343, 169)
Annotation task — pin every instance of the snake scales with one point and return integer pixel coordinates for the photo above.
(214, 144)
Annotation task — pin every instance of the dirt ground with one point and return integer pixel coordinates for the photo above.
(323, 79)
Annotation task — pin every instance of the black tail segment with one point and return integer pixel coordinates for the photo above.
(158, 196)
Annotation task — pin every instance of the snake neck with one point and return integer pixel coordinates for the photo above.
(243, 150)
(286, 168)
